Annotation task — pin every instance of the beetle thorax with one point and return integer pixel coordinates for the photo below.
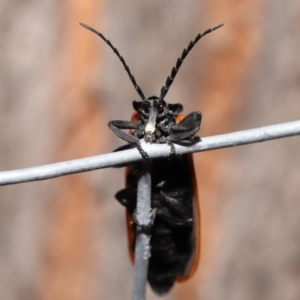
(154, 109)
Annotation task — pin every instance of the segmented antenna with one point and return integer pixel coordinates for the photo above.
(185, 52)
(138, 89)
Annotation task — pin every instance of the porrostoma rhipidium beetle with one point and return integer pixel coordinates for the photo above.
(175, 233)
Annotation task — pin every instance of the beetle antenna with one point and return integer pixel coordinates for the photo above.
(185, 52)
(138, 89)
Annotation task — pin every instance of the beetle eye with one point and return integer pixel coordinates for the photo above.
(146, 106)
(160, 106)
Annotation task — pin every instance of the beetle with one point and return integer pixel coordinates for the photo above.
(175, 232)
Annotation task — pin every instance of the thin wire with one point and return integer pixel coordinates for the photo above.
(142, 241)
(154, 150)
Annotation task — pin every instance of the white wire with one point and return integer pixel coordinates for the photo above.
(128, 156)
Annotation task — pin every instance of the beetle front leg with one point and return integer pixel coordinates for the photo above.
(186, 128)
(117, 126)
(184, 131)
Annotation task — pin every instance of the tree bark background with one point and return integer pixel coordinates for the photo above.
(60, 85)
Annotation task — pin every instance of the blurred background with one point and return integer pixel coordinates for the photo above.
(65, 238)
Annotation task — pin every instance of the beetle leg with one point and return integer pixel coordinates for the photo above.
(153, 215)
(164, 213)
(163, 140)
(184, 131)
(172, 151)
(141, 150)
(176, 206)
(116, 127)
(189, 142)
(182, 135)
(127, 197)
(186, 128)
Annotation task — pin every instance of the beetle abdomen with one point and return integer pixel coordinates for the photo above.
(173, 233)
